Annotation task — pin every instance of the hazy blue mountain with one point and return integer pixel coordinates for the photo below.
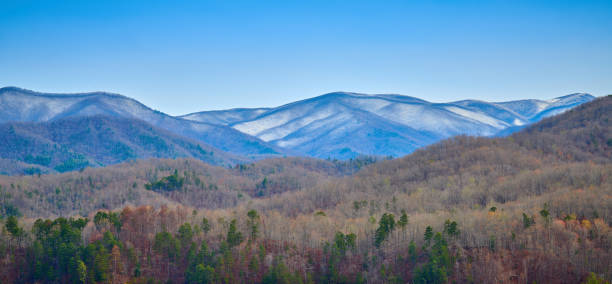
(343, 125)
(28, 106)
(76, 142)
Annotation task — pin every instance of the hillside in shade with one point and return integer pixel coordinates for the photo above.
(93, 141)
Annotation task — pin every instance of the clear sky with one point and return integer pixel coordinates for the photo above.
(186, 56)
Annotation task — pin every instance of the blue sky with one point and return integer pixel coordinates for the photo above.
(186, 56)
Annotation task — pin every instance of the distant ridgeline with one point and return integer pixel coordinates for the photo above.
(46, 133)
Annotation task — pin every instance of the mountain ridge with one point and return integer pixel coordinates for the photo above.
(282, 125)
(18, 104)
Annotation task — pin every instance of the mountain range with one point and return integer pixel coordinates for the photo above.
(58, 132)
(28, 106)
(345, 125)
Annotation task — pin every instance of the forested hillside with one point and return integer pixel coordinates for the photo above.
(75, 143)
(532, 207)
(188, 182)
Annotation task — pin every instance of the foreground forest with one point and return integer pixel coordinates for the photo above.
(534, 207)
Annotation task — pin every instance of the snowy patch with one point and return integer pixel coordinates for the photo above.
(292, 126)
(255, 127)
(518, 122)
(371, 105)
(540, 106)
(478, 117)
(292, 142)
(407, 114)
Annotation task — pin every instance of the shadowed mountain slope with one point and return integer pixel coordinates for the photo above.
(76, 142)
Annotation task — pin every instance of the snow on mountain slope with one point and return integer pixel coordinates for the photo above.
(349, 133)
(27, 106)
(534, 110)
(343, 124)
(225, 117)
(493, 110)
(436, 118)
(446, 120)
(478, 117)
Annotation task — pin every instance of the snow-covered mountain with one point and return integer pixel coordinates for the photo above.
(343, 125)
(20, 105)
(335, 125)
